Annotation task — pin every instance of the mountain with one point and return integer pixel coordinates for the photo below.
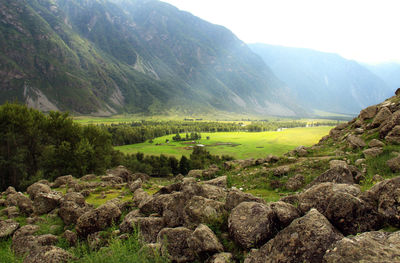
(103, 57)
(389, 72)
(324, 81)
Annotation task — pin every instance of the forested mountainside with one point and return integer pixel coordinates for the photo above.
(324, 81)
(145, 56)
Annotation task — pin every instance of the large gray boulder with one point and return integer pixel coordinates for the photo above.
(337, 174)
(383, 115)
(368, 113)
(175, 242)
(36, 189)
(222, 257)
(72, 206)
(204, 242)
(98, 219)
(355, 141)
(8, 227)
(202, 210)
(394, 164)
(24, 203)
(235, 197)
(148, 227)
(306, 239)
(48, 254)
(46, 202)
(63, 180)
(367, 247)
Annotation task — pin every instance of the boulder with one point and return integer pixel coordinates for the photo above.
(142, 176)
(394, 164)
(219, 181)
(251, 224)
(112, 179)
(338, 174)
(355, 141)
(140, 197)
(8, 227)
(306, 239)
(368, 113)
(169, 189)
(48, 254)
(221, 258)
(337, 164)
(235, 197)
(175, 240)
(135, 185)
(71, 237)
(122, 172)
(9, 190)
(98, 240)
(372, 152)
(389, 125)
(97, 219)
(375, 143)
(204, 242)
(195, 173)
(72, 206)
(88, 177)
(281, 171)
(212, 192)
(285, 213)
(24, 203)
(272, 159)
(11, 212)
(383, 115)
(394, 135)
(201, 210)
(36, 189)
(46, 202)
(63, 180)
(148, 227)
(294, 183)
(366, 247)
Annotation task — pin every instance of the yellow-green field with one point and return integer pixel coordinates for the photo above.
(240, 145)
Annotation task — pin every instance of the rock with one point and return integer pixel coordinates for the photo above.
(9, 190)
(175, 240)
(377, 178)
(337, 163)
(251, 224)
(212, 192)
(285, 213)
(148, 227)
(219, 181)
(98, 240)
(202, 210)
(195, 173)
(366, 247)
(8, 227)
(375, 143)
(71, 237)
(355, 141)
(221, 258)
(11, 212)
(394, 135)
(122, 172)
(306, 239)
(112, 179)
(235, 197)
(36, 189)
(318, 196)
(169, 189)
(359, 131)
(46, 202)
(204, 242)
(301, 151)
(135, 185)
(126, 226)
(63, 180)
(142, 176)
(386, 196)
(383, 115)
(72, 206)
(272, 159)
(140, 197)
(210, 172)
(88, 177)
(394, 164)
(389, 125)
(97, 219)
(23, 240)
(352, 215)
(372, 152)
(48, 254)
(368, 113)
(24, 203)
(281, 171)
(295, 183)
(359, 162)
(339, 175)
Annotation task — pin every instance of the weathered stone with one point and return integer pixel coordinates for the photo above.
(338, 174)
(204, 241)
(46, 202)
(372, 152)
(36, 189)
(142, 176)
(281, 171)
(202, 210)
(148, 227)
(221, 258)
(394, 135)
(219, 181)
(337, 163)
(11, 212)
(121, 172)
(195, 173)
(272, 159)
(235, 197)
(8, 227)
(355, 141)
(375, 143)
(72, 206)
(368, 113)
(285, 213)
(71, 237)
(126, 226)
(367, 247)
(359, 162)
(88, 177)
(135, 185)
(48, 254)
(389, 125)
(97, 219)
(175, 240)
(383, 115)
(112, 179)
(140, 197)
(24, 203)
(251, 224)
(212, 192)
(394, 164)
(306, 239)
(63, 180)
(9, 190)
(295, 183)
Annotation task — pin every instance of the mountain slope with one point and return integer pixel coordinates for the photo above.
(389, 72)
(324, 81)
(103, 57)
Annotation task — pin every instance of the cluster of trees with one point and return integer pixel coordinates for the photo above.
(137, 132)
(194, 136)
(37, 146)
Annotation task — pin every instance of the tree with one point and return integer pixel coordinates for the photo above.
(184, 165)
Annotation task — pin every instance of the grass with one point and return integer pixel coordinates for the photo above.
(95, 200)
(6, 254)
(241, 145)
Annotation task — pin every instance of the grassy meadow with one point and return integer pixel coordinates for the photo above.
(240, 145)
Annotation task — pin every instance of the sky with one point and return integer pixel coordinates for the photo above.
(363, 30)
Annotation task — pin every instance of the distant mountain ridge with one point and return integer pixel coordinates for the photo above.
(103, 57)
(389, 72)
(324, 81)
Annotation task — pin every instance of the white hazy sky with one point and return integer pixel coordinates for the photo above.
(363, 30)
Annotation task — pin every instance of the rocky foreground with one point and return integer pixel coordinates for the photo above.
(330, 220)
